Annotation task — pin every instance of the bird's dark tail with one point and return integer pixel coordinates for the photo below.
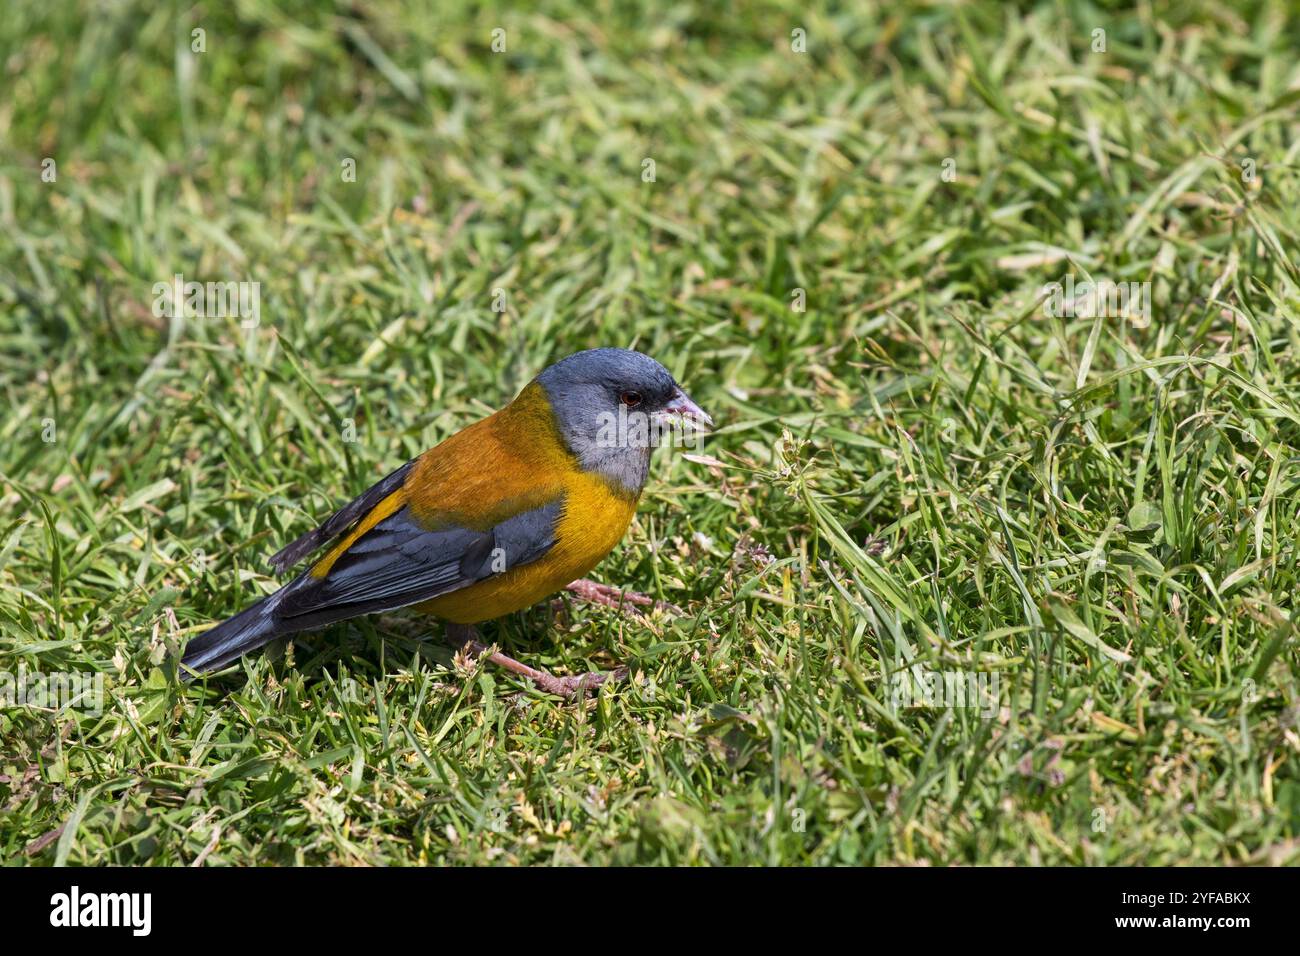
(234, 637)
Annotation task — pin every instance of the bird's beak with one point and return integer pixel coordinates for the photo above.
(682, 406)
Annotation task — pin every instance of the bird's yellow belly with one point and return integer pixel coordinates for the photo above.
(593, 521)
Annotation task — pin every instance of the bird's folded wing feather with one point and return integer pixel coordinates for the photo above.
(399, 562)
(341, 520)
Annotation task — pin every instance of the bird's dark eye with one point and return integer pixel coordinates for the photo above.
(630, 399)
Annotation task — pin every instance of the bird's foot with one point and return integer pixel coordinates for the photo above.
(463, 635)
(580, 685)
(594, 591)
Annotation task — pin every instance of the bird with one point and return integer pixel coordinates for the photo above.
(497, 517)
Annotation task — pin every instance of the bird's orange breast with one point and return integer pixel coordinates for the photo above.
(510, 462)
(592, 522)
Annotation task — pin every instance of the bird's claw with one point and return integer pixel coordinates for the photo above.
(598, 593)
(579, 684)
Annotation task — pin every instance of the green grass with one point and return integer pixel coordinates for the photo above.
(921, 469)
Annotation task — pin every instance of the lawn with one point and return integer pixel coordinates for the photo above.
(837, 227)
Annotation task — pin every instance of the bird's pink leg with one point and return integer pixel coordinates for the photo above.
(594, 591)
(463, 636)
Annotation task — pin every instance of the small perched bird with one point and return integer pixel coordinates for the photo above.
(495, 518)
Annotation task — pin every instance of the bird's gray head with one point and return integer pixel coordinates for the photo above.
(612, 407)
